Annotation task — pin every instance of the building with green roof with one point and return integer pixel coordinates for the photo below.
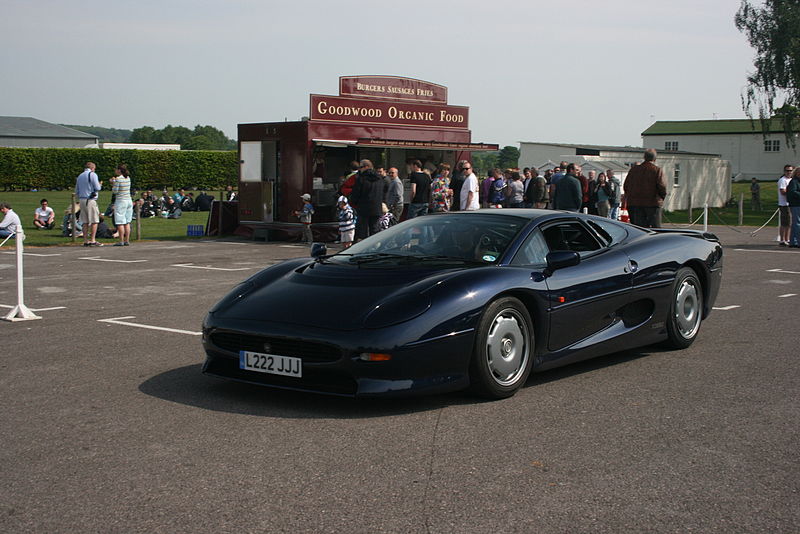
(752, 151)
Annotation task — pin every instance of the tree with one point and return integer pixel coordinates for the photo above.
(773, 30)
(201, 138)
(483, 161)
(509, 157)
(145, 134)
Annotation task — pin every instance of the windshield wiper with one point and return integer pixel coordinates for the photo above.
(443, 258)
(374, 256)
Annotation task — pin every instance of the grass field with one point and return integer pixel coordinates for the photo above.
(729, 215)
(156, 228)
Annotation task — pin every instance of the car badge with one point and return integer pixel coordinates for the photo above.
(267, 347)
(489, 257)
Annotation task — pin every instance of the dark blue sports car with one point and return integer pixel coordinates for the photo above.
(467, 299)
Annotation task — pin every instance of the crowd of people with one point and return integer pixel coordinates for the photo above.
(371, 198)
(89, 221)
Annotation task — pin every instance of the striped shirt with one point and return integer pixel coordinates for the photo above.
(121, 187)
(347, 221)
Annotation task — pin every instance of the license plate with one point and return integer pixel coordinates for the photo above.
(271, 364)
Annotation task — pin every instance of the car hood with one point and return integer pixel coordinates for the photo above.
(337, 297)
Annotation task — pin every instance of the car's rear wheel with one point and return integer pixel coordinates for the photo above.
(686, 309)
(503, 353)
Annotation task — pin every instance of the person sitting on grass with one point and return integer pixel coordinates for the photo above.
(147, 206)
(66, 224)
(104, 231)
(44, 216)
(10, 222)
(187, 203)
(171, 210)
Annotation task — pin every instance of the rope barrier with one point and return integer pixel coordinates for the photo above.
(683, 224)
(722, 221)
(726, 224)
(766, 223)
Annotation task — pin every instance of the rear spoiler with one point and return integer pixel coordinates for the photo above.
(708, 236)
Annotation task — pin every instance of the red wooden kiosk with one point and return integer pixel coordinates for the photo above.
(387, 119)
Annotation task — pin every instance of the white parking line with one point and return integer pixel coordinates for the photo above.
(761, 250)
(192, 266)
(782, 271)
(33, 254)
(98, 258)
(119, 320)
(787, 295)
(725, 308)
(37, 309)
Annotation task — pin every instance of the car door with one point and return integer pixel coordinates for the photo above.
(583, 299)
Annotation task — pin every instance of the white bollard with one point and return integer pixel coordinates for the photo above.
(20, 312)
(705, 217)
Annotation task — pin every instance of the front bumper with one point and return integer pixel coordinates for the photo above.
(332, 363)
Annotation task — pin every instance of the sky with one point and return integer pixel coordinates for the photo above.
(567, 71)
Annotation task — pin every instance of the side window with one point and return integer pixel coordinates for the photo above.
(611, 231)
(570, 236)
(533, 251)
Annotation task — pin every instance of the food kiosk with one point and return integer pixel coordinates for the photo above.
(389, 120)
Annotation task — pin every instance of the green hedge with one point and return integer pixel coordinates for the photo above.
(56, 168)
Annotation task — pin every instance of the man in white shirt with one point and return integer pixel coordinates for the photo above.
(44, 217)
(469, 191)
(10, 221)
(783, 206)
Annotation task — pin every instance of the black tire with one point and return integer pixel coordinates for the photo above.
(685, 309)
(502, 357)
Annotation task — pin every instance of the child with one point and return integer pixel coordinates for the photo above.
(497, 194)
(387, 219)
(305, 217)
(347, 222)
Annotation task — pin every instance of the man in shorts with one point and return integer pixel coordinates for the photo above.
(783, 206)
(86, 188)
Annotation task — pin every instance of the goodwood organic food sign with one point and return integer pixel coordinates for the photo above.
(389, 100)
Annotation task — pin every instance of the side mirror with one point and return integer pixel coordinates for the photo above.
(318, 250)
(561, 259)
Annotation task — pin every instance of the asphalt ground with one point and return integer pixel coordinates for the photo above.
(107, 424)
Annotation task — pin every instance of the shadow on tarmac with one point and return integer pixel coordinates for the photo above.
(188, 386)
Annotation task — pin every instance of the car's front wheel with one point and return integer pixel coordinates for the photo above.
(503, 354)
(686, 309)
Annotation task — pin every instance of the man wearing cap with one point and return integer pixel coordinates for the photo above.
(305, 217)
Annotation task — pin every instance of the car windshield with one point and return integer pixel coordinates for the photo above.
(453, 238)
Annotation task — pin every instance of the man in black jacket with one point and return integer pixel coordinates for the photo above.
(569, 195)
(367, 197)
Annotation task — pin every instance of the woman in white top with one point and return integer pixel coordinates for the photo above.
(123, 204)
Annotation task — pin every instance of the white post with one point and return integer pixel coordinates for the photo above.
(20, 312)
(705, 217)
